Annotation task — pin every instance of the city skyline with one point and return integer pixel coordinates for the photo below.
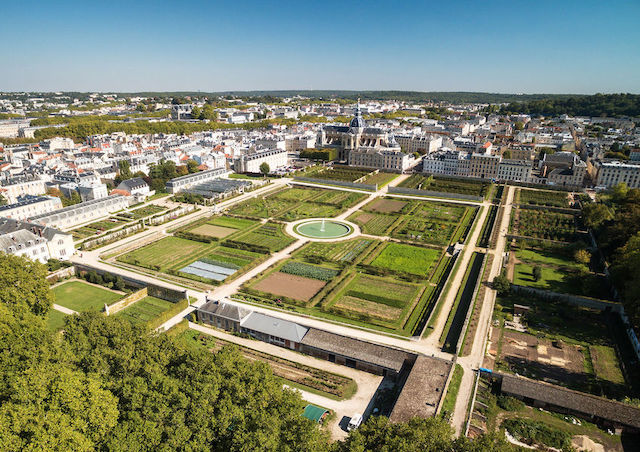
(581, 48)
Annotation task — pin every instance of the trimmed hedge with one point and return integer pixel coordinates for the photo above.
(247, 247)
(530, 432)
(195, 237)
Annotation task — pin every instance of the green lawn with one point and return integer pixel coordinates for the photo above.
(552, 278)
(449, 402)
(83, 297)
(406, 258)
(546, 258)
(144, 310)
(55, 320)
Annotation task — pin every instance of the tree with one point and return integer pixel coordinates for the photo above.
(582, 257)
(537, 273)
(196, 112)
(192, 166)
(209, 113)
(23, 286)
(596, 214)
(265, 169)
(3, 201)
(506, 154)
(501, 284)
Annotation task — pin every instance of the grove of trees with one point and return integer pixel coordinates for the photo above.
(107, 384)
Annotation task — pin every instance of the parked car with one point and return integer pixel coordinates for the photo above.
(355, 422)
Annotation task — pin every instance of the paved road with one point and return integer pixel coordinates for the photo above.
(475, 358)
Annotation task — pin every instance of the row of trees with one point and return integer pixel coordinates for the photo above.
(615, 220)
(110, 385)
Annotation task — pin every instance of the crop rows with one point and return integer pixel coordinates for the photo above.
(308, 271)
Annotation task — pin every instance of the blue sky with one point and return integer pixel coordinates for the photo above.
(514, 47)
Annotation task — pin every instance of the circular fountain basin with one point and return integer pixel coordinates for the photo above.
(323, 229)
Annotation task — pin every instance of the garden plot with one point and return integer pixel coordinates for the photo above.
(164, 253)
(145, 310)
(206, 269)
(211, 230)
(546, 225)
(544, 198)
(344, 252)
(406, 258)
(385, 206)
(361, 297)
(446, 185)
(421, 229)
(290, 286)
(372, 223)
(269, 235)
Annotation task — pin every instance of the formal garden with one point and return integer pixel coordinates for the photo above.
(436, 223)
(388, 286)
(297, 203)
(542, 198)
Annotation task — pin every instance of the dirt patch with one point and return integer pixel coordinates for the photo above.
(210, 230)
(291, 286)
(387, 206)
(541, 358)
(364, 218)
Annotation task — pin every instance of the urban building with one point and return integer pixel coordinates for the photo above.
(176, 185)
(84, 212)
(29, 206)
(614, 172)
(35, 241)
(250, 162)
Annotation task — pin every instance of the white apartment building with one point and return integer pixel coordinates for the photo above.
(422, 144)
(34, 241)
(250, 163)
(445, 161)
(483, 166)
(300, 143)
(271, 143)
(84, 212)
(615, 172)
(29, 206)
(382, 159)
(178, 184)
(514, 170)
(15, 187)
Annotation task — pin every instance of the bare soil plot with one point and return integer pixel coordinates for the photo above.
(386, 206)
(291, 286)
(528, 354)
(211, 230)
(364, 218)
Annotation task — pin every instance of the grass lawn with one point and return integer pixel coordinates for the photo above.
(144, 310)
(606, 364)
(449, 402)
(546, 258)
(407, 258)
(552, 278)
(83, 297)
(55, 320)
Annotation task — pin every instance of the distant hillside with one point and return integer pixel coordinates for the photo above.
(611, 105)
(409, 96)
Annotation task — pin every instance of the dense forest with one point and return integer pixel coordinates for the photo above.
(611, 105)
(105, 384)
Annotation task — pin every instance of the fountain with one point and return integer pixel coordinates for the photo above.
(322, 227)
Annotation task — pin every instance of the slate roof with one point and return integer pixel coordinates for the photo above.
(578, 402)
(132, 184)
(274, 326)
(379, 355)
(225, 310)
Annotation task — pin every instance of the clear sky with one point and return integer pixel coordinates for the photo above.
(514, 46)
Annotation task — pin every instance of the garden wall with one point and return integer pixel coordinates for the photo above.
(434, 194)
(180, 211)
(126, 301)
(111, 235)
(573, 299)
(153, 290)
(60, 274)
(340, 183)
